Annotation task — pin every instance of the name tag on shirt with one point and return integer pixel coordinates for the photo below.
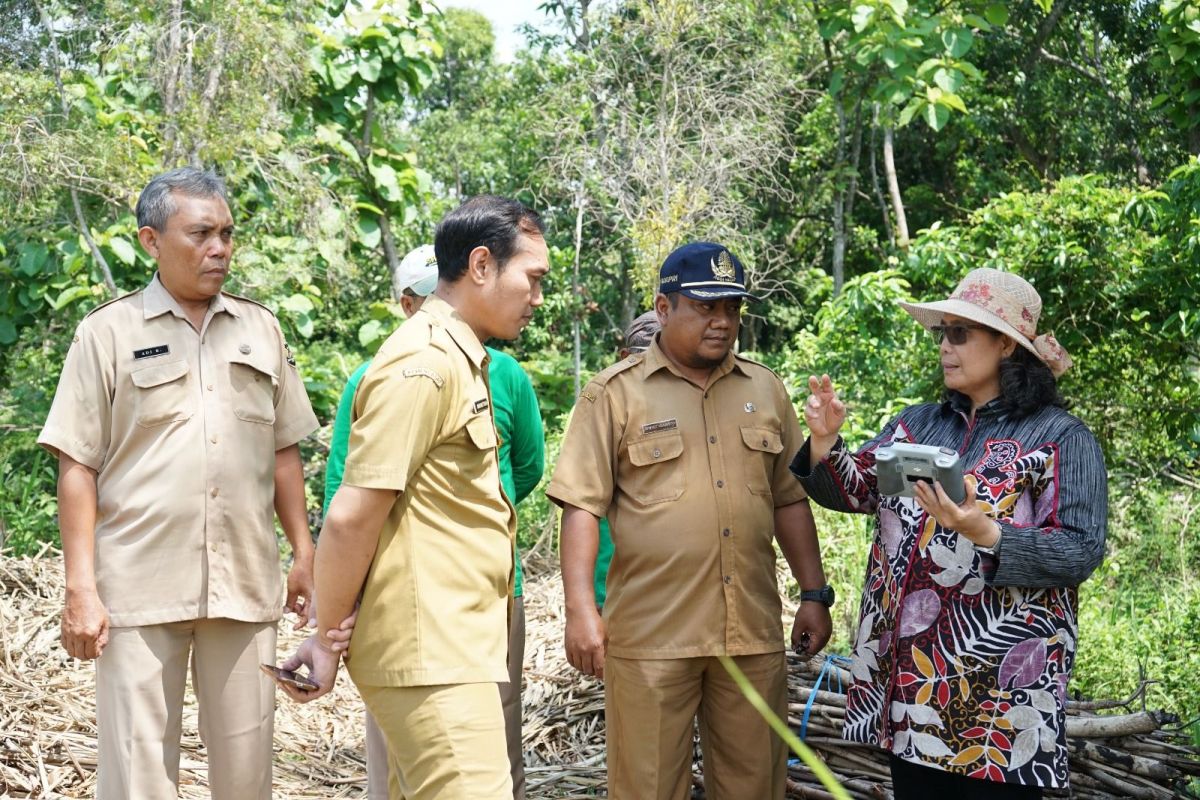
(151, 352)
(664, 425)
(479, 405)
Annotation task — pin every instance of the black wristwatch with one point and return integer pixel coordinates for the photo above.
(823, 595)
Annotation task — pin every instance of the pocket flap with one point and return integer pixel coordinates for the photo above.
(158, 374)
(764, 439)
(482, 431)
(256, 364)
(655, 450)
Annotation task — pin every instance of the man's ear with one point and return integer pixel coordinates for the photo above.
(662, 306)
(149, 239)
(478, 263)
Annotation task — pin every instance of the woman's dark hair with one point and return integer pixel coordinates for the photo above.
(1027, 385)
(485, 220)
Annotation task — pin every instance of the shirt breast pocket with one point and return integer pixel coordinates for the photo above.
(161, 395)
(763, 446)
(657, 474)
(253, 384)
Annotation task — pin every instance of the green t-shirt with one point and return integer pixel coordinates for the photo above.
(603, 559)
(522, 451)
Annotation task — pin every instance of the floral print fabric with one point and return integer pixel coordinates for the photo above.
(961, 659)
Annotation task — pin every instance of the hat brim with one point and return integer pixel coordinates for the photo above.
(718, 294)
(930, 314)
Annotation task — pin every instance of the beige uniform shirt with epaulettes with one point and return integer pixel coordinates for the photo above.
(181, 427)
(435, 605)
(689, 480)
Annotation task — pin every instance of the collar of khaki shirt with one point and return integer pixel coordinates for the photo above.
(156, 301)
(655, 359)
(457, 327)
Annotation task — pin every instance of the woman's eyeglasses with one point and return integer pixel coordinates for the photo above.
(955, 334)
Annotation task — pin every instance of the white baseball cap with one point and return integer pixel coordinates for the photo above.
(418, 271)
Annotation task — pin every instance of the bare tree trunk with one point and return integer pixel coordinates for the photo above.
(208, 97)
(883, 208)
(889, 170)
(577, 322)
(81, 224)
(171, 86)
(838, 257)
(363, 146)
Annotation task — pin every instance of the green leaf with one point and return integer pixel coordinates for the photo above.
(370, 66)
(298, 304)
(370, 332)
(958, 41)
(70, 295)
(8, 331)
(386, 181)
(123, 249)
(1176, 52)
(899, 7)
(951, 80)
(910, 111)
(837, 79)
(32, 258)
(996, 13)
(951, 100)
(1045, 5)
(368, 232)
(861, 18)
(304, 325)
(936, 115)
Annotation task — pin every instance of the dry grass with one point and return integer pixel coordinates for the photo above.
(48, 730)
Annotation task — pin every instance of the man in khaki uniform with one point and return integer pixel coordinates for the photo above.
(420, 523)
(176, 424)
(684, 448)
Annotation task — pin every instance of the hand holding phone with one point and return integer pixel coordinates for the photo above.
(291, 678)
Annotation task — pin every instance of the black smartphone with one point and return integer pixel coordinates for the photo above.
(287, 676)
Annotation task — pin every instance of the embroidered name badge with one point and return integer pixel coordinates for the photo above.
(423, 372)
(151, 352)
(479, 405)
(664, 425)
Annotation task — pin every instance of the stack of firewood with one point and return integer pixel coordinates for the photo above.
(1136, 754)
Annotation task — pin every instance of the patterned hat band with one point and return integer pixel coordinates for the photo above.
(1003, 302)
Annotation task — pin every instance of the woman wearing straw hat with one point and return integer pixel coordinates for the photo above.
(967, 628)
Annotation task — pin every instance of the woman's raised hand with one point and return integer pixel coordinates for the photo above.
(824, 413)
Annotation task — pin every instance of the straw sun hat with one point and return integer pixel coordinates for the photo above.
(1003, 302)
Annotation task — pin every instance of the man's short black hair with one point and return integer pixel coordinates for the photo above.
(485, 220)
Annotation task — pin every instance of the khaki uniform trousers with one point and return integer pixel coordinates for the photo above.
(139, 708)
(382, 781)
(649, 707)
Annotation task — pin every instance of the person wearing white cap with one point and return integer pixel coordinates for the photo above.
(521, 454)
(967, 628)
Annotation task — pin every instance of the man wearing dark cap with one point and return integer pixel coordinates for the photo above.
(683, 448)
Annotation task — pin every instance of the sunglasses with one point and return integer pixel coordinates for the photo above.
(955, 334)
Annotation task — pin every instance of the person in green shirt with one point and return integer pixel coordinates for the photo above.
(522, 462)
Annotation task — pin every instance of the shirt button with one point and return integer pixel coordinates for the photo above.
(720, 484)
(764, 442)
(209, 387)
(728, 579)
(213, 440)
(215, 491)
(712, 440)
(725, 532)
(657, 453)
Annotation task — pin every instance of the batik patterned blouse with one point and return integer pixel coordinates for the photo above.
(961, 658)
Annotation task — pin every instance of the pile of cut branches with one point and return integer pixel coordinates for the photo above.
(48, 729)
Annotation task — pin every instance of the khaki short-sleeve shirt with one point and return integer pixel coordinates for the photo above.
(435, 605)
(181, 427)
(689, 479)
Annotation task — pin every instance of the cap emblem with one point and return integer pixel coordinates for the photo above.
(722, 267)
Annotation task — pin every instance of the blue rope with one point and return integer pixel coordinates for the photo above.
(830, 661)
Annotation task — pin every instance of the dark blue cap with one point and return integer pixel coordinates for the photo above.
(703, 271)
